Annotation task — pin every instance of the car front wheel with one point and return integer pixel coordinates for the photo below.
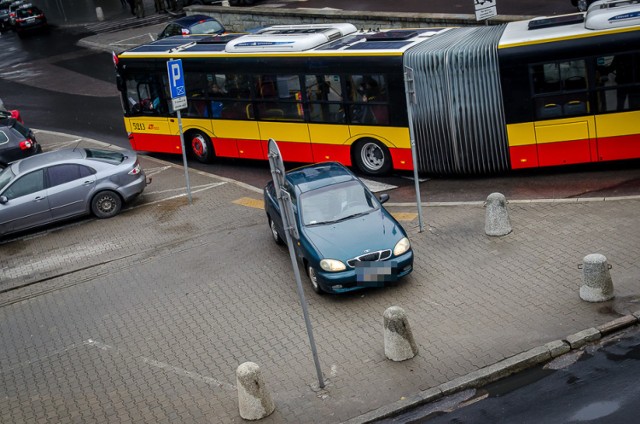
(313, 277)
(274, 232)
(106, 204)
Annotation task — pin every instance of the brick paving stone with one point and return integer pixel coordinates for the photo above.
(145, 317)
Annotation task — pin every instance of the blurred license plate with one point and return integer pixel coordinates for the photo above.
(376, 273)
(31, 20)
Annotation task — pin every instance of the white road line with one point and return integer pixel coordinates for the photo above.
(163, 366)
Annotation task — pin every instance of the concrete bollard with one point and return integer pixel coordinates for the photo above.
(398, 339)
(597, 286)
(254, 401)
(496, 215)
(99, 14)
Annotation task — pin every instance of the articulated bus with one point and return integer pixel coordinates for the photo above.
(544, 92)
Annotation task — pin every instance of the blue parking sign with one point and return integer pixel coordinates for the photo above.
(176, 78)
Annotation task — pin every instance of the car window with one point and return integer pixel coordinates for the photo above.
(336, 202)
(105, 155)
(27, 184)
(5, 177)
(206, 27)
(172, 30)
(4, 137)
(60, 174)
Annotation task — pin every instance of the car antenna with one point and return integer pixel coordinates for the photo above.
(77, 144)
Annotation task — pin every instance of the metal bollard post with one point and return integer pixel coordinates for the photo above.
(99, 14)
(254, 401)
(496, 216)
(399, 344)
(597, 286)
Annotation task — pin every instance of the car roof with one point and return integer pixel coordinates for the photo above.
(319, 175)
(49, 158)
(192, 19)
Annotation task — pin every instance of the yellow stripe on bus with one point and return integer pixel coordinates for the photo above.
(617, 124)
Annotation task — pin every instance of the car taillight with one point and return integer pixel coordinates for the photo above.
(26, 144)
(136, 170)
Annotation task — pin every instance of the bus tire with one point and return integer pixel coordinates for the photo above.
(371, 157)
(201, 147)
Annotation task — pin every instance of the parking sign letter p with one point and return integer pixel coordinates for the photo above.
(175, 73)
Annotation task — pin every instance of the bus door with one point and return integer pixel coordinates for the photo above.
(146, 117)
(618, 103)
(280, 114)
(565, 128)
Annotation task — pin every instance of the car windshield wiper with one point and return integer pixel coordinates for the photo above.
(344, 218)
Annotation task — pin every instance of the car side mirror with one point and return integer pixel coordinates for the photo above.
(384, 197)
(3, 200)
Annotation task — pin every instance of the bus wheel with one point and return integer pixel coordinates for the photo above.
(201, 147)
(372, 157)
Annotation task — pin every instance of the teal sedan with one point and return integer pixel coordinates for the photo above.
(347, 239)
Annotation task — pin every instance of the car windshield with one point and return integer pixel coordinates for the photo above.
(206, 27)
(5, 176)
(336, 203)
(105, 155)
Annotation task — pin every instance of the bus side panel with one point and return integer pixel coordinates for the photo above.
(397, 140)
(522, 145)
(330, 143)
(237, 139)
(562, 142)
(153, 134)
(618, 136)
(292, 138)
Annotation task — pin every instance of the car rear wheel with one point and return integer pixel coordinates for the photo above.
(201, 147)
(372, 157)
(313, 277)
(106, 204)
(274, 232)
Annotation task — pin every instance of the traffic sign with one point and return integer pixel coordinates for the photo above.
(485, 9)
(176, 78)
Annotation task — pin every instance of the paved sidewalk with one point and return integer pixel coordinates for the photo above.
(145, 317)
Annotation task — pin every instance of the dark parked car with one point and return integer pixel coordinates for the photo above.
(5, 20)
(16, 141)
(348, 240)
(193, 24)
(61, 184)
(30, 18)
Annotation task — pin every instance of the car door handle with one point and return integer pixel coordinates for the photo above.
(39, 198)
(87, 183)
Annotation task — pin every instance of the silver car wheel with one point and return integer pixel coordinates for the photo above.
(313, 277)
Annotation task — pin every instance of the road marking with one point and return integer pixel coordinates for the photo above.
(404, 216)
(162, 365)
(249, 202)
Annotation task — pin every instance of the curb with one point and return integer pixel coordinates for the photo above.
(499, 370)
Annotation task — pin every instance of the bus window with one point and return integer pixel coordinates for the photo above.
(560, 89)
(324, 94)
(618, 82)
(145, 95)
(368, 94)
(231, 94)
(196, 102)
(279, 98)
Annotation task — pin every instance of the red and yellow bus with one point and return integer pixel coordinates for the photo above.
(543, 92)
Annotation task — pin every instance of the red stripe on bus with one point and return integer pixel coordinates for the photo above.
(401, 159)
(616, 148)
(155, 143)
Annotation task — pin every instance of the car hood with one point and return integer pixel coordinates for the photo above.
(354, 237)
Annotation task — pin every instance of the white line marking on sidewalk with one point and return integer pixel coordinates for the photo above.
(162, 365)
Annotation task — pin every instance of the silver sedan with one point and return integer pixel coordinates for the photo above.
(61, 184)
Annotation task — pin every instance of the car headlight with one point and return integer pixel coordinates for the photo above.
(332, 265)
(402, 246)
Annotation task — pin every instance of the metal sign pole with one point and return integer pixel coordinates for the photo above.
(184, 157)
(411, 100)
(178, 102)
(286, 212)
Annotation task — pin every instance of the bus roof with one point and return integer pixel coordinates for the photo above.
(603, 17)
(318, 39)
